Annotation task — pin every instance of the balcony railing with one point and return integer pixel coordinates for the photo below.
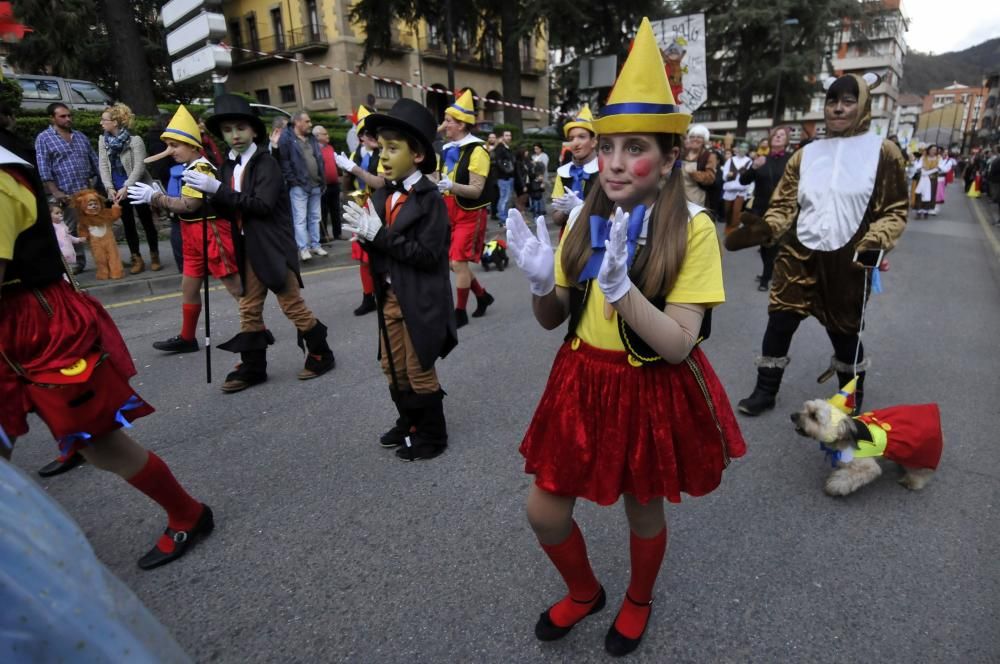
(299, 40)
(470, 55)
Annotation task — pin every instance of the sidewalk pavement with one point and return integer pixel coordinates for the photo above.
(168, 280)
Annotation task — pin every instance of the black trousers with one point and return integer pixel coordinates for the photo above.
(781, 327)
(129, 213)
(330, 206)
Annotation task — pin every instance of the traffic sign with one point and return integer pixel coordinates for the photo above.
(196, 32)
(203, 61)
(176, 11)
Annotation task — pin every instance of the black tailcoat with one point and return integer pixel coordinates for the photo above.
(414, 253)
(268, 237)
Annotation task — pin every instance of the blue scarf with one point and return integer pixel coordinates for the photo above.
(451, 158)
(600, 231)
(579, 177)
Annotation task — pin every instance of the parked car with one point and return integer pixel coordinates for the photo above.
(550, 131)
(263, 111)
(39, 91)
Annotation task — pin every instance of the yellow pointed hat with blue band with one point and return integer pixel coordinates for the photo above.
(463, 109)
(584, 119)
(641, 101)
(359, 118)
(183, 128)
(843, 400)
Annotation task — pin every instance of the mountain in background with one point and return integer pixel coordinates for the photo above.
(923, 72)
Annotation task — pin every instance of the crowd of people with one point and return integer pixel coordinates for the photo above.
(636, 272)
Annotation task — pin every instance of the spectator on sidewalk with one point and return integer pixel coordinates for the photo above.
(331, 196)
(66, 164)
(503, 159)
(120, 161)
(302, 165)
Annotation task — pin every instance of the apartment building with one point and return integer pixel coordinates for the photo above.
(304, 31)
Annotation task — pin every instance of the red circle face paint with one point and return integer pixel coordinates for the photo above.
(641, 167)
(600, 164)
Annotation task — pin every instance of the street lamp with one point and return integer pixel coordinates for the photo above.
(781, 58)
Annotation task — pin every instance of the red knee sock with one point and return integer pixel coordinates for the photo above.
(189, 327)
(156, 481)
(367, 283)
(463, 298)
(477, 288)
(647, 556)
(570, 558)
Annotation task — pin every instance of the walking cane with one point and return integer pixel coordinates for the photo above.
(208, 312)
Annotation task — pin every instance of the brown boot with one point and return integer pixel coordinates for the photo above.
(154, 261)
(137, 264)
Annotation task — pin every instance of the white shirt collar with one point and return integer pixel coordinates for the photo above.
(238, 170)
(233, 154)
(468, 138)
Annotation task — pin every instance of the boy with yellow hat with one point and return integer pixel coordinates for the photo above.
(183, 139)
(467, 184)
(574, 179)
(632, 407)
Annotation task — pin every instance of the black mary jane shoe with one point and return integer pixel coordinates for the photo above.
(619, 645)
(183, 540)
(546, 630)
(58, 467)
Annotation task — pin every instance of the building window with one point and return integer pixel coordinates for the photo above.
(321, 89)
(263, 96)
(433, 35)
(387, 90)
(279, 29)
(252, 32)
(287, 93)
(528, 101)
(313, 13)
(235, 34)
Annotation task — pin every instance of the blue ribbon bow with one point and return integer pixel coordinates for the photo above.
(451, 158)
(579, 177)
(832, 455)
(600, 232)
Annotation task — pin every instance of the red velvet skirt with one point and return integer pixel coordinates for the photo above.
(49, 331)
(604, 428)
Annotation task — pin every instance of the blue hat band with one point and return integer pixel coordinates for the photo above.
(171, 130)
(463, 110)
(639, 108)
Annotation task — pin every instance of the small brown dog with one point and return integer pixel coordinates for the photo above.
(95, 223)
(909, 435)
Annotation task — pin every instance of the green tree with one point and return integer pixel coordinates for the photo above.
(749, 46)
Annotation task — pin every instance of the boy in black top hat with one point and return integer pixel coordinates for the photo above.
(405, 230)
(251, 191)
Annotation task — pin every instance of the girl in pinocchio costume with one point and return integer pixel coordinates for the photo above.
(365, 167)
(251, 191)
(183, 139)
(404, 227)
(841, 197)
(632, 406)
(576, 178)
(62, 357)
(465, 182)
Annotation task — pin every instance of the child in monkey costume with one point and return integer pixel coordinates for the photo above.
(96, 226)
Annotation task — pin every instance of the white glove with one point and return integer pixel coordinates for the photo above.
(444, 184)
(200, 181)
(141, 193)
(613, 275)
(362, 220)
(344, 162)
(532, 252)
(566, 202)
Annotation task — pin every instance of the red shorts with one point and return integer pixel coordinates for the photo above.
(49, 331)
(221, 254)
(468, 231)
(357, 253)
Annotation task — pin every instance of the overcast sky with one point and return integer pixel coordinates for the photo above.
(941, 26)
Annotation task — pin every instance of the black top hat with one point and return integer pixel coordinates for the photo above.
(413, 119)
(234, 107)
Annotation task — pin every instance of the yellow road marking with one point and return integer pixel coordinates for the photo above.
(157, 298)
(990, 235)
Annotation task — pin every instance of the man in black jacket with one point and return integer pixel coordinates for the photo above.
(251, 191)
(405, 230)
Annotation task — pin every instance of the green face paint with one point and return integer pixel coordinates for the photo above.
(238, 135)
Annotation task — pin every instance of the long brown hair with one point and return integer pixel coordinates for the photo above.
(657, 264)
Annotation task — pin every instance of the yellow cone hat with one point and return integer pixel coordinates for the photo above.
(584, 119)
(183, 128)
(360, 118)
(641, 101)
(463, 110)
(844, 399)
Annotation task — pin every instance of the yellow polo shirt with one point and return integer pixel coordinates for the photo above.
(18, 211)
(699, 282)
